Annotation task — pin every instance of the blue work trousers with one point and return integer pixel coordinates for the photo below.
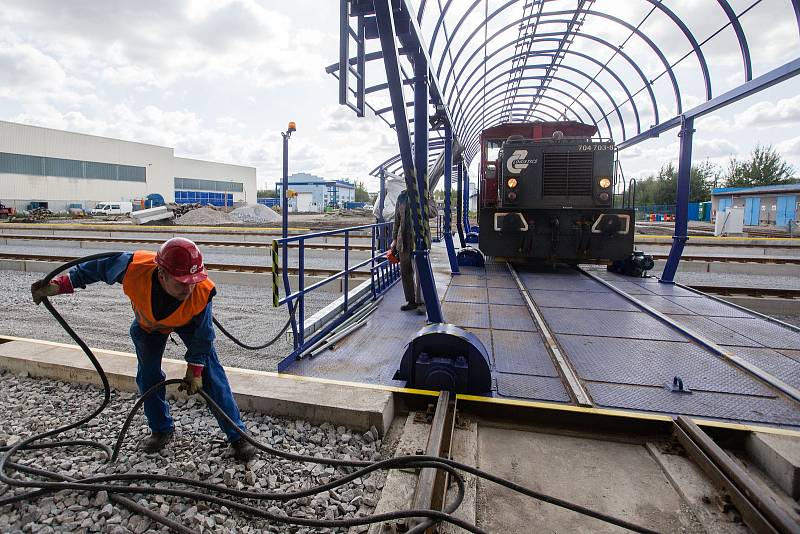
(149, 352)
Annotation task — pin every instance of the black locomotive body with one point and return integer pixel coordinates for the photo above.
(550, 198)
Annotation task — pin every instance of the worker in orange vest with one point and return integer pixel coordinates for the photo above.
(169, 291)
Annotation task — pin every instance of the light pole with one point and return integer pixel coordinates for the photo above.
(284, 199)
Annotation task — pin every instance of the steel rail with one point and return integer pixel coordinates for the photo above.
(768, 379)
(571, 379)
(763, 292)
(779, 260)
(429, 493)
(158, 241)
(758, 509)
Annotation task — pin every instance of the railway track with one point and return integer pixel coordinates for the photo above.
(761, 292)
(774, 260)
(228, 267)
(202, 243)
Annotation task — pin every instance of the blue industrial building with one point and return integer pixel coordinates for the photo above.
(763, 205)
(317, 191)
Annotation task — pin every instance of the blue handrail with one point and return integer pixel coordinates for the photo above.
(383, 275)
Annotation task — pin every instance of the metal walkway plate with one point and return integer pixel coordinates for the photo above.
(500, 280)
(701, 404)
(664, 304)
(466, 315)
(541, 388)
(561, 283)
(474, 295)
(498, 295)
(708, 307)
(762, 331)
(581, 300)
(634, 325)
(773, 362)
(655, 363)
(468, 280)
(522, 353)
(713, 331)
(505, 317)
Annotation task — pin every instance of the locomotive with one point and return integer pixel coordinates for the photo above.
(546, 195)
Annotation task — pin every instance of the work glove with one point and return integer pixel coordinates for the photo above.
(57, 286)
(193, 381)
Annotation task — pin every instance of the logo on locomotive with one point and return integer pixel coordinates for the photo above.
(517, 163)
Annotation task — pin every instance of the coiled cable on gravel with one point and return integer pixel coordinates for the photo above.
(130, 483)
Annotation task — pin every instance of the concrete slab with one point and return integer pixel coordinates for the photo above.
(696, 490)
(779, 457)
(464, 449)
(621, 479)
(315, 400)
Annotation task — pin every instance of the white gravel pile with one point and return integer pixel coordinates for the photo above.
(206, 216)
(197, 451)
(255, 213)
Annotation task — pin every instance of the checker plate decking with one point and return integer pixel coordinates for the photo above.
(621, 354)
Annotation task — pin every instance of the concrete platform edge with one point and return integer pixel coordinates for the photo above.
(279, 395)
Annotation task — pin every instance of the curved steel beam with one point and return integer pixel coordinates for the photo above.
(605, 43)
(743, 46)
(580, 89)
(473, 128)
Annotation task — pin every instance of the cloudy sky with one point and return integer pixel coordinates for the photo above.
(220, 79)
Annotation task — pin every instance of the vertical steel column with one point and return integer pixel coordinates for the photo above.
(682, 201)
(459, 202)
(386, 30)
(465, 210)
(285, 230)
(383, 241)
(422, 248)
(448, 186)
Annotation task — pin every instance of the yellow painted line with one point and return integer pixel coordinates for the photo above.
(628, 414)
(556, 407)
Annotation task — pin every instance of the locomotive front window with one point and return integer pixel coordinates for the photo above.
(493, 149)
(491, 169)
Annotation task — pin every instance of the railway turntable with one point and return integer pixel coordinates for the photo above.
(592, 339)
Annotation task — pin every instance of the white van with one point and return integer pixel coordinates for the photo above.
(112, 208)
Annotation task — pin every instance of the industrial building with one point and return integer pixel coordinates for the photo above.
(314, 193)
(61, 169)
(763, 205)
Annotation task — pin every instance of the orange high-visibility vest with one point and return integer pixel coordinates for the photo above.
(138, 285)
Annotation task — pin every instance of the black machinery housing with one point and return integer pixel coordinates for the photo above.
(554, 203)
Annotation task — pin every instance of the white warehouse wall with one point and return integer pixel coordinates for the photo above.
(161, 167)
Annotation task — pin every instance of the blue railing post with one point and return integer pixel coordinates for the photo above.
(346, 284)
(448, 186)
(301, 286)
(682, 203)
(285, 229)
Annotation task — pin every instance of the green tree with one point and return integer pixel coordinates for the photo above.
(439, 195)
(362, 195)
(662, 187)
(267, 193)
(765, 167)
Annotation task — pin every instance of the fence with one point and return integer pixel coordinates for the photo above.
(383, 275)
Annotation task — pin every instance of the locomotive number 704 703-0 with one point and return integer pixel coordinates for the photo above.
(595, 147)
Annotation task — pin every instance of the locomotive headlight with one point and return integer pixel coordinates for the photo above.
(605, 183)
(512, 183)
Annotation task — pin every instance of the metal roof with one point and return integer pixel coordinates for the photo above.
(774, 189)
(632, 68)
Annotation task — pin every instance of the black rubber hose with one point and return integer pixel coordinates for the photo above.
(253, 347)
(94, 484)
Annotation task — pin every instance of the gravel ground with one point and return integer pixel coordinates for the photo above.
(198, 451)
(102, 316)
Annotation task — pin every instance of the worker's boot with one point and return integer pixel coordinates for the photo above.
(155, 442)
(243, 451)
(409, 306)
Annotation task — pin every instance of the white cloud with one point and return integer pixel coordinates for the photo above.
(766, 114)
(790, 147)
